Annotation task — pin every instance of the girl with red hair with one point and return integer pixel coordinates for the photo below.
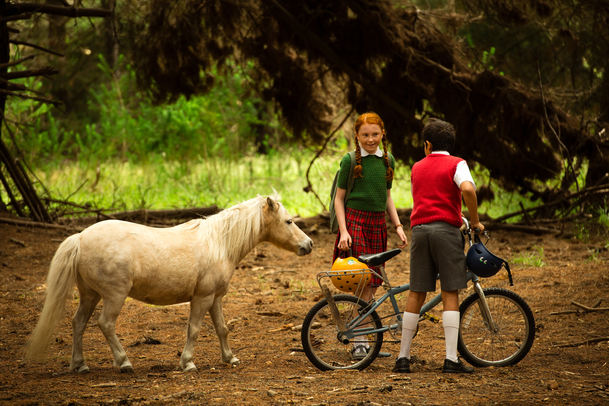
(361, 219)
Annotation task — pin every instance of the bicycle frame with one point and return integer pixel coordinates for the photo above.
(497, 327)
(347, 332)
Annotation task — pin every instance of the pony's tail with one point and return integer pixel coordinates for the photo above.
(60, 282)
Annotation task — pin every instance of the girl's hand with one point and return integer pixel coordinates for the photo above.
(402, 236)
(345, 241)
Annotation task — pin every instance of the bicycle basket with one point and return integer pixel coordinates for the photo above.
(482, 262)
(349, 275)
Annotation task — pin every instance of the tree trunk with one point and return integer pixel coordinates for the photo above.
(604, 109)
(111, 48)
(13, 167)
(598, 170)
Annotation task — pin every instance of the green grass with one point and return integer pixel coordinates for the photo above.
(161, 183)
(164, 184)
(534, 257)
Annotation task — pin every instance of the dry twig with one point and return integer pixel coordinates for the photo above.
(590, 309)
(27, 223)
(580, 343)
(583, 308)
(18, 242)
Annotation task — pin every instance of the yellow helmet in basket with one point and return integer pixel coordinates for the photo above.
(349, 274)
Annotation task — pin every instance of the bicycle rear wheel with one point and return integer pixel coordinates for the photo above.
(320, 335)
(508, 341)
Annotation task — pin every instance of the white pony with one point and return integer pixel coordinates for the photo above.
(192, 262)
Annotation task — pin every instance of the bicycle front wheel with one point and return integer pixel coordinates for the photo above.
(321, 336)
(504, 343)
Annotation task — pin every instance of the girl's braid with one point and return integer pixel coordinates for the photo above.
(389, 175)
(357, 171)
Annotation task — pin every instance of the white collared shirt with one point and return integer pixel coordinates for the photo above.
(462, 172)
(378, 152)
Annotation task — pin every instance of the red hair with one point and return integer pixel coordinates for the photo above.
(370, 118)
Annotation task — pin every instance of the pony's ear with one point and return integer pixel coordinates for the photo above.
(271, 203)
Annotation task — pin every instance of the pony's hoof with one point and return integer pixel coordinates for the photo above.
(190, 367)
(234, 362)
(127, 369)
(83, 369)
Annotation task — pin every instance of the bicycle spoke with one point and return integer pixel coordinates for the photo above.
(507, 340)
(321, 337)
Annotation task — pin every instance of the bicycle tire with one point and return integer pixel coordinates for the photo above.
(511, 339)
(320, 339)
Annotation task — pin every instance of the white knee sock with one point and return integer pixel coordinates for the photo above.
(409, 327)
(450, 320)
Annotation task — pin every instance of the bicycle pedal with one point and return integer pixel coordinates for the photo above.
(431, 317)
(366, 309)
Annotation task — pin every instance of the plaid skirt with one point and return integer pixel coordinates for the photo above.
(368, 231)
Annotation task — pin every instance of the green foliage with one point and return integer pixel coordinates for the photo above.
(124, 124)
(593, 258)
(504, 201)
(194, 152)
(582, 230)
(602, 214)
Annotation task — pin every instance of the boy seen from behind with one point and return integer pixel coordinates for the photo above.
(438, 182)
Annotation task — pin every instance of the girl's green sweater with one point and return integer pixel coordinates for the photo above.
(370, 191)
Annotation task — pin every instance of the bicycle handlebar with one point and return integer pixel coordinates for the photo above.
(476, 231)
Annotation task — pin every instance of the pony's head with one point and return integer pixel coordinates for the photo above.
(281, 230)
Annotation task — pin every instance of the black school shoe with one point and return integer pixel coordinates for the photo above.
(402, 366)
(451, 367)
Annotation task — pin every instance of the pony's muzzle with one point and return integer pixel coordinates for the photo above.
(305, 247)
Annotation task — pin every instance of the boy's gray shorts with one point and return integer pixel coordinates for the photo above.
(437, 248)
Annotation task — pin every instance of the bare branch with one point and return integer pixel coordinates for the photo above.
(334, 58)
(15, 18)
(17, 62)
(20, 8)
(28, 223)
(13, 41)
(309, 187)
(22, 96)
(545, 112)
(601, 189)
(29, 73)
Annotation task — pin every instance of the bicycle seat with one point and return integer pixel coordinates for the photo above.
(377, 259)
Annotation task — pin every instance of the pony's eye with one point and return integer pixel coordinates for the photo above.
(290, 221)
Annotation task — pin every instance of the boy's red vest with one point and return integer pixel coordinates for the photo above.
(435, 195)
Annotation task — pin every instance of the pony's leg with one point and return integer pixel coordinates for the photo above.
(217, 316)
(107, 324)
(86, 306)
(198, 307)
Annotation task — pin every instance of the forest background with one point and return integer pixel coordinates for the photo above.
(188, 104)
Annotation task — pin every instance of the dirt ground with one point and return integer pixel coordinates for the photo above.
(270, 294)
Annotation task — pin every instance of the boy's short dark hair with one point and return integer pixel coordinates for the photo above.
(440, 133)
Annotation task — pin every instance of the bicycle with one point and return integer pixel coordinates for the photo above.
(497, 326)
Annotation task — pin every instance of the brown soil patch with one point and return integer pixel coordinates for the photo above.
(272, 291)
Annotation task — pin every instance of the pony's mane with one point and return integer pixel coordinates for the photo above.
(237, 226)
